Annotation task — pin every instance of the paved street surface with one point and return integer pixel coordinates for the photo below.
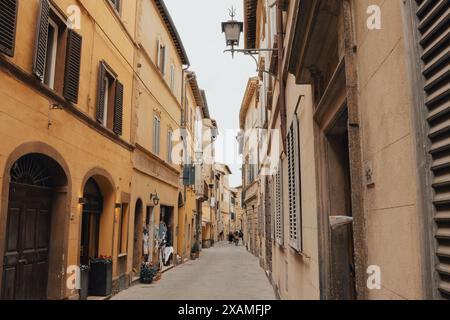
(223, 272)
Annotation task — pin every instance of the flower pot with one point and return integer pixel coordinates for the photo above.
(146, 280)
(84, 283)
(100, 279)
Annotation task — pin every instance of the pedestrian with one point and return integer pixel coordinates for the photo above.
(241, 235)
(236, 238)
(230, 237)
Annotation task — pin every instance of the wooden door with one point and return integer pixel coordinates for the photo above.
(25, 263)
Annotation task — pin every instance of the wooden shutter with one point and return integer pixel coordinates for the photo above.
(279, 221)
(40, 53)
(8, 23)
(158, 54)
(156, 134)
(118, 109)
(73, 63)
(189, 175)
(169, 146)
(434, 32)
(101, 92)
(295, 219)
(165, 61)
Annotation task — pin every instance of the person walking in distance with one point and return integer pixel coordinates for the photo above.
(236, 238)
(230, 237)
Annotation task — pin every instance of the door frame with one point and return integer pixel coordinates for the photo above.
(138, 229)
(61, 214)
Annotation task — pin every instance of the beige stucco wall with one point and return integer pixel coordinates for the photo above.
(302, 280)
(392, 217)
(25, 117)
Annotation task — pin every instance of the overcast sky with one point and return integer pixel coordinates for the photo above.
(224, 79)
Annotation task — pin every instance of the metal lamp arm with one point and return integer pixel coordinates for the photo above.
(252, 53)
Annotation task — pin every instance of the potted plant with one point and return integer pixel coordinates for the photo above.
(100, 276)
(84, 282)
(148, 272)
(195, 251)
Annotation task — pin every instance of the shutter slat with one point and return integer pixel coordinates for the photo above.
(73, 63)
(443, 251)
(8, 25)
(444, 287)
(101, 92)
(41, 40)
(118, 109)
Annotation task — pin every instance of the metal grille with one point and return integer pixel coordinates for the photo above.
(31, 170)
(434, 30)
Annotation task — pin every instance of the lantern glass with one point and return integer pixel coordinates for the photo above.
(232, 30)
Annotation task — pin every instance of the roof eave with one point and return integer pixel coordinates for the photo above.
(164, 12)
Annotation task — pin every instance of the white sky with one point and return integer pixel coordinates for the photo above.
(199, 24)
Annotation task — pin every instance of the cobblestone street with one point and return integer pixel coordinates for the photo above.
(223, 272)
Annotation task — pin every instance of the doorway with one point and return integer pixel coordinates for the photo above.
(35, 180)
(166, 216)
(149, 233)
(340, 210)
(90, 228)
(138, 237)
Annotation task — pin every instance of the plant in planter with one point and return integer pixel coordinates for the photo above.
(100, 276)
(195, 251)
(84, 283)
(148, 272)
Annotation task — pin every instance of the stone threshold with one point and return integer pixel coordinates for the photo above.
(96, 298)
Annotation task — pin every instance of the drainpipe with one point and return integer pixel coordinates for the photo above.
(282, 94)
(183, 110)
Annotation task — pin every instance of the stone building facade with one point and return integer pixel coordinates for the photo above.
(359, 92)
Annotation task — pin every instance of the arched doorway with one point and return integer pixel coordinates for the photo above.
(32, 226)
(138, 237)
(90, 229)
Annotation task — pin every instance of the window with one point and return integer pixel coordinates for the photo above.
(294, 188)
(110, 99)
(57, 57)
(123, 229)
(251, 173)
(8, 17)
(115, 4)
(172, 77)
(156, 134)
(162, 56)
(52, 47)
(279, 221)
(169, 146)
(273, 21)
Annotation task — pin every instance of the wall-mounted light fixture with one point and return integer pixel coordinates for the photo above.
(82, 200)
(233, 30)
(154, 197)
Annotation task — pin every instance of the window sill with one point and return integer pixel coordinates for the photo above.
(301, 254)
(122, 255)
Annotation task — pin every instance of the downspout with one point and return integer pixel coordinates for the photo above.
(282, 93)
(183, 111)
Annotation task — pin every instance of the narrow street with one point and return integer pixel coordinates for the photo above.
(223, 272)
